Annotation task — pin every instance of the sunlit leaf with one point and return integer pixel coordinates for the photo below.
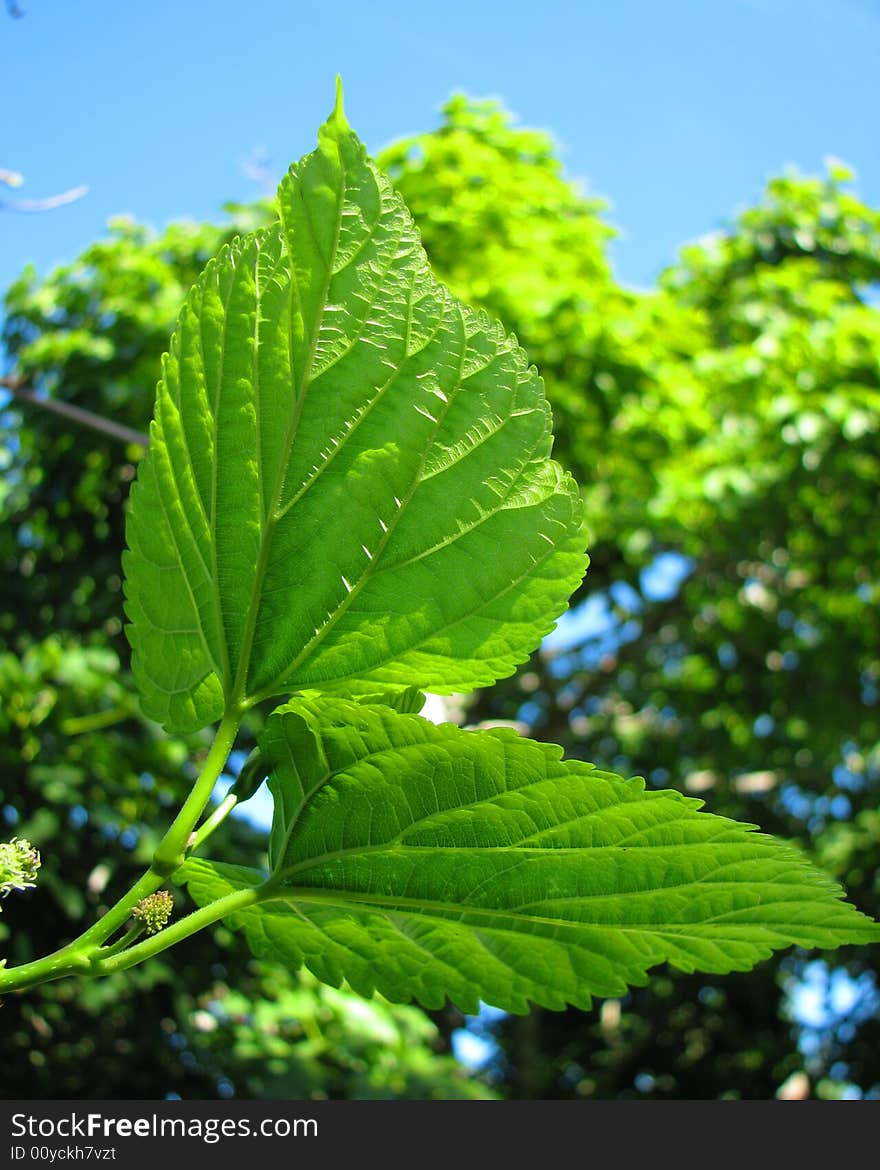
(429, 862)
(349, 483)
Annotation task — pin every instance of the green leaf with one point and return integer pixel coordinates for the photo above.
(407, 702)
(349, 484)
(429, 862)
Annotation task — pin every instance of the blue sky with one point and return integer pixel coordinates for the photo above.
(676, 112)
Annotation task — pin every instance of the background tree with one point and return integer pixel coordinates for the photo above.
(723, 427)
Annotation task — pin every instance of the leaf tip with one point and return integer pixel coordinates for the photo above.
(338, 116)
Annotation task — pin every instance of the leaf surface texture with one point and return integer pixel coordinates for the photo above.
(427, 862)
(349, 484)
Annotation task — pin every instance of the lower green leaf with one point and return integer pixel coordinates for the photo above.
(428, 863)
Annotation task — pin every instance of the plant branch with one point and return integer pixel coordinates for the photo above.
(65, 961)
(76, 414)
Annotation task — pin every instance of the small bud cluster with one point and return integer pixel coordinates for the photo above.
(154, 911)
(19, 862)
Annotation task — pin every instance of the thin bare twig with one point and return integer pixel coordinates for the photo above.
(84, 418)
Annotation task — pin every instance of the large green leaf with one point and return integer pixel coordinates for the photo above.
(349, 483)
(428, 862)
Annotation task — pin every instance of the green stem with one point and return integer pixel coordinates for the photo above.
(105, 963)
(81, 955)
(63, 962)
(220, 813)
(173, 846)
(171, 850)
(80, 724)
(117, 916)
(127, 939)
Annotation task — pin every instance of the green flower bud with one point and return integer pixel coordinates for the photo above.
(19, 862)
(154, 911)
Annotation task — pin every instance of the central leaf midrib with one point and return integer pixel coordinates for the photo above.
(315, 475)
(223, 643)
(396, 848)
(371, 567)
(442, 911)
(268, 526)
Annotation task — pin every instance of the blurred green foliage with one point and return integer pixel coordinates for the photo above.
(724, 428)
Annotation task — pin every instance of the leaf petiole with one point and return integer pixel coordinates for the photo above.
(220, 813)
